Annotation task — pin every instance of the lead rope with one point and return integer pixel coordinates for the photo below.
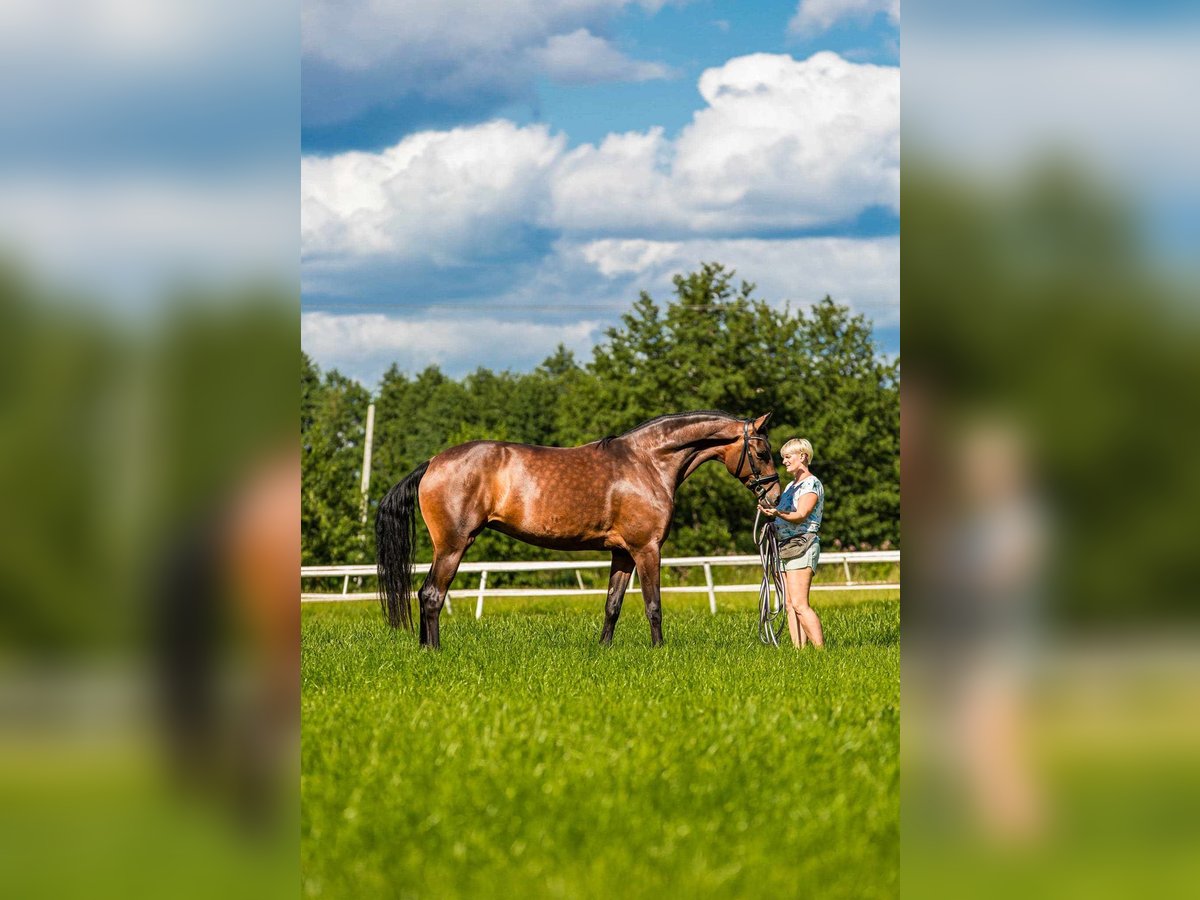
(772, 618)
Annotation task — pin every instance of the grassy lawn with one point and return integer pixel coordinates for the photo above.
(525, 760)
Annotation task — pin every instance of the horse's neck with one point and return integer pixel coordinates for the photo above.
(683, 450)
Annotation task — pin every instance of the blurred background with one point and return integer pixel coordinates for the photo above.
(149, 483)
(1051, 314)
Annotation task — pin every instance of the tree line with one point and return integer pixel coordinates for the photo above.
(713, 345)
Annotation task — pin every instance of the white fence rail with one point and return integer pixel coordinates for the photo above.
(707, 562)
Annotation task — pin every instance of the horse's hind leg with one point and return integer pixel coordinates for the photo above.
(453, 524)
(432, 595)
(618, 581)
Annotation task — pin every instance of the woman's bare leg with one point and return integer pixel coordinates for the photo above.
(798, 582)
(799, 638)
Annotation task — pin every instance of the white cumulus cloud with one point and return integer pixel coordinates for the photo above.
(437, 196)
(863, 273)
(501, 222)
(580, 287)
(781, 144)
(363, 346)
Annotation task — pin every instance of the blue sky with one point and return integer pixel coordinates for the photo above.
(483, 182)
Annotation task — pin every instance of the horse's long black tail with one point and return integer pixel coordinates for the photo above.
(395, 535)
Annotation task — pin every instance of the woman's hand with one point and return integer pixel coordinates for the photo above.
(769, 511)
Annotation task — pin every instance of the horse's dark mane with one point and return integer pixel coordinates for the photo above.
(694, 414)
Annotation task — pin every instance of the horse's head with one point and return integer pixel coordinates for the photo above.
(748, 458)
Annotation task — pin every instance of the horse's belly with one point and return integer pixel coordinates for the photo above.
(554, 541)
(555, 532)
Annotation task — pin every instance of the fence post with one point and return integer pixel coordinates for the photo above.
(345, 585)
(712, 595)
(479, 602)
(846, 568)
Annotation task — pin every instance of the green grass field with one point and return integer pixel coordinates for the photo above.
(525, 760)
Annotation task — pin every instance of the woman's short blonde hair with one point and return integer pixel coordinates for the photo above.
(799, 445)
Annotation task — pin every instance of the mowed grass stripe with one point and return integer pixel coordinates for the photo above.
(525, 760)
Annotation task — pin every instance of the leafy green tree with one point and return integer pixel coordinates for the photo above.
(310, 388)
(414, 419)
(713, 346)
(543, 400)
(332, 448)
(847, 403)
(716, 347)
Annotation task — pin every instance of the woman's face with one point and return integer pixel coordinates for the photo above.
(793, 461)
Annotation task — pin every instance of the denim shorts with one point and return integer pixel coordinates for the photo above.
(808, 561)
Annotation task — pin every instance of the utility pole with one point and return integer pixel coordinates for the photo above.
(366, 469)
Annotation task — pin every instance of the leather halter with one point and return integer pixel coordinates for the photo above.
(756, 483)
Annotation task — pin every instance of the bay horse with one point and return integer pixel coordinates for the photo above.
(614, 494)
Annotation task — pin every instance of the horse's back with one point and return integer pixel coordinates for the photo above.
(553, 496)
(494, 469)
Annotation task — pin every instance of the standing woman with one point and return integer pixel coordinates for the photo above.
(797, 518)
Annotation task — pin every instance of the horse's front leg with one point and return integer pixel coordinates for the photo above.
(648, 559)
(618, 581)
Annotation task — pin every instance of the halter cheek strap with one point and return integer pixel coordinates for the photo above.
(756, 483)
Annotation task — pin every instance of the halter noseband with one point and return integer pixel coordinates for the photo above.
(756, 483)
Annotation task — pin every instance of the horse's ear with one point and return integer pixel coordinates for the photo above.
(760, 424)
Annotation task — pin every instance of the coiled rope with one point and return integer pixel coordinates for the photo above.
(772, 615)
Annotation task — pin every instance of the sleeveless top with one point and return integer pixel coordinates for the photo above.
(787, 503)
